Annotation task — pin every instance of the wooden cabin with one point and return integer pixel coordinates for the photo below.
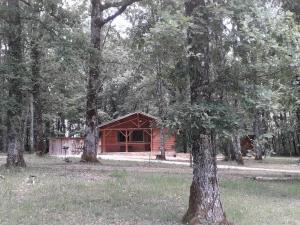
(135, 132)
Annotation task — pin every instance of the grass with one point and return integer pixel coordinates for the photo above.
(133, 193)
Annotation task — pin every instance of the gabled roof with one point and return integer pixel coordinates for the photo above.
(126, 116)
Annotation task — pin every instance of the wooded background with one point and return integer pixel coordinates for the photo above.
(46, 53)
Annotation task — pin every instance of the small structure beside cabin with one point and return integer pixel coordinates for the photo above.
(135, 132)
(66, 146)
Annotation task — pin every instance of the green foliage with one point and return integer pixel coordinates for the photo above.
(254, 61)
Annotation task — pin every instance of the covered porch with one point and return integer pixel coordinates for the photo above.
(126, 140)
(135, 132)
(130, 133)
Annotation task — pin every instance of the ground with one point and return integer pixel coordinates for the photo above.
(51, 191)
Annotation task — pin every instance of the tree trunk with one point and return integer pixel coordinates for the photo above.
(3, 138)
(204, 203)
(15, 110)
(2, 94)
(227, 146)
(298, 129)
(94, 82)
(36, 54)
(224, 145)
(236, 141)
(162, 144)
(91, 132)
(256, 128)
(47, 135)
(31, 130)
(160, 103)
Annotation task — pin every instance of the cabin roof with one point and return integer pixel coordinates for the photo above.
(127, 116)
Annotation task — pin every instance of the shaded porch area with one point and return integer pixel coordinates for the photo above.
(126, 140)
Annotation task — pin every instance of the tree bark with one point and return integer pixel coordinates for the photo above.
(31, 130)
(229, 149)
(205, 205)
(236, 140)
(15, 110)
(162, 144)
(161, 114)
(36, 54)
(2, 96)
(91, 132)
(257, 132)
(47, 135)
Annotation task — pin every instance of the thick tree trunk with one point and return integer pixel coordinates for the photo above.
(91, 132)
(205, 205)
(15, 111)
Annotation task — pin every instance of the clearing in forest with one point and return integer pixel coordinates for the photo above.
(51, 191)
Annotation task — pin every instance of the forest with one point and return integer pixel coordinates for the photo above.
(214, 72)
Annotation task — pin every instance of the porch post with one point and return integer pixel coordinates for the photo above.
(126, 140)
(151, 142)
(103, 142)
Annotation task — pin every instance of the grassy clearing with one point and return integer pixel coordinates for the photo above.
(134, 193)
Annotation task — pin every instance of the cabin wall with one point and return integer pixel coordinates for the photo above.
(109, 141)
(169, 140)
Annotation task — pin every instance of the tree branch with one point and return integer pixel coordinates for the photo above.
(118, 4)
(123, 6)
(26, 3)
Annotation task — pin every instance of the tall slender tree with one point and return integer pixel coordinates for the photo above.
(3, 89)
(98, 21)
(205, 205)
(36, 54)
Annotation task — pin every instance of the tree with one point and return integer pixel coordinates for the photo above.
(98, 21)
(36, 54)
(265, 53)
(3, 85)
(294, 6)
(204, 203)
(15, 114)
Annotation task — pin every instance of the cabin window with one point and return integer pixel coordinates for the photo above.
(121, 136)
(137, 135)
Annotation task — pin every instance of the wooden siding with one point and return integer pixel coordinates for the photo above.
(169, 142)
